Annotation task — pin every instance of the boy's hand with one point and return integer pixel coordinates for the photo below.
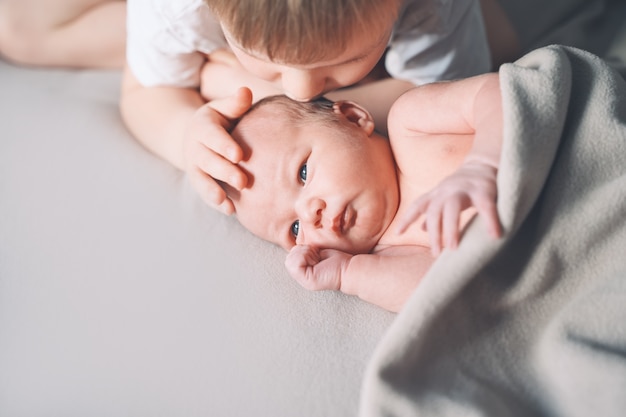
(211, 154)
(317, 269)
(473, 184)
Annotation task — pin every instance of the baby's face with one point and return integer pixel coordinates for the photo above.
(316, 185)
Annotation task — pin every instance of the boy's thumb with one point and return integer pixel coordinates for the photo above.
(234, 106)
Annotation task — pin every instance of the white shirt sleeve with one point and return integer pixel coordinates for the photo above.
(437, 40)
(168, 41)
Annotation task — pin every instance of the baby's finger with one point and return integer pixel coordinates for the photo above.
(413, 213)
(433, 226)
(451, 215)
(488, 209)
(299, 263)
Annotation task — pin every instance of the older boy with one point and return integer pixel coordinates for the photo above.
(251, 43)
(301, 48)
(344, 201)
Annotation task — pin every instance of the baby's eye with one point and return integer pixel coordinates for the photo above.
(295, 228)
(302, 173)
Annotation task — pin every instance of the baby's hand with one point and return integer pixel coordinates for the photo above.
(211, 154)
(317, 269)
(473, 184)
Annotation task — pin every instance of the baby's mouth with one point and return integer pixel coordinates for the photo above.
(343, 221)
(347, 219)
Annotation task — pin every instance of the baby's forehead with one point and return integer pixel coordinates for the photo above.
(261, 125)
(267, 115)
(279, 111)
(257, 210)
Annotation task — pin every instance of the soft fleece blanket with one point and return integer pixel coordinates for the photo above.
(533, 324)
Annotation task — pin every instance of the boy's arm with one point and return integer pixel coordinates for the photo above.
(385, 279)
(473, 107)
(178, 126)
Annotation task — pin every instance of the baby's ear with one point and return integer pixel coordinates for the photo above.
(355, 114)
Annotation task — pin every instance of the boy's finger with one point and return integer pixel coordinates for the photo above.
(227, 207)
(219, 141)
(219, 168)
(210, 192)
(235, 106)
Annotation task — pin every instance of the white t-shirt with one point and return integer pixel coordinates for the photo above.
(432, 40)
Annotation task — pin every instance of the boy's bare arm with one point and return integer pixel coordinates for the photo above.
(178, 126)
(386, 278)
(158, 116)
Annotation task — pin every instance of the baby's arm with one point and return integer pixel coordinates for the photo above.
(468, 107)
(386, 278)
(177, 125)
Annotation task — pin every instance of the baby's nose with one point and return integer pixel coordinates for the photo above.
(310, 211)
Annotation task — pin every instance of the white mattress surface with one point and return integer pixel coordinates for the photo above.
(122, 295)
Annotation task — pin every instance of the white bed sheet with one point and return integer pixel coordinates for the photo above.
(122, 295)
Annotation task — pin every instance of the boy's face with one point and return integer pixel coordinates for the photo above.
(316, 185)
(307, 82)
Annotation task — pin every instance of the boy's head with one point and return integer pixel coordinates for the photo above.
(318, 174)
(310, 46)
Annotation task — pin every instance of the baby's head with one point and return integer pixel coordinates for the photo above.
(310, 47)
(318, 174)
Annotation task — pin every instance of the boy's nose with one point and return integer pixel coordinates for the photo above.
(302, 85)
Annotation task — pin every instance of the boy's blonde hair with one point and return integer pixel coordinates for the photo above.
(302, 31)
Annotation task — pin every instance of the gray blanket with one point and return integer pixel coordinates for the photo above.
(533, 324)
